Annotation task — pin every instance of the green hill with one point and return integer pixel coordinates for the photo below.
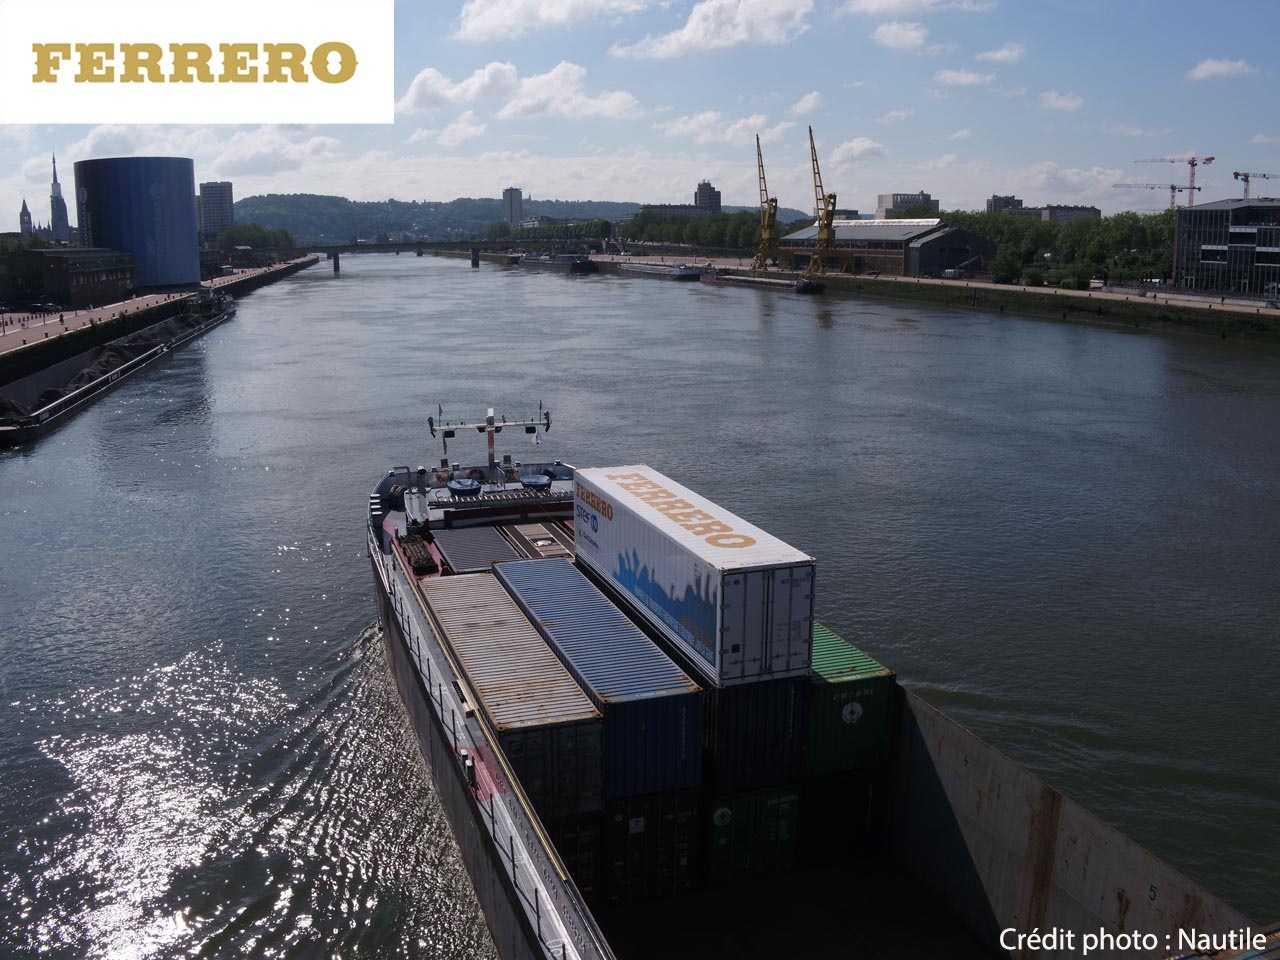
(313, 218)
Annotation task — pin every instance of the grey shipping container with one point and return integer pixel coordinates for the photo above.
(548, 728)
(736, 599)
(652, 710)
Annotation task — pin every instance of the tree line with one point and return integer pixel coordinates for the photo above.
(1125, 247)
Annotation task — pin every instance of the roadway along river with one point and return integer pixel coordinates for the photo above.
(1064, 536)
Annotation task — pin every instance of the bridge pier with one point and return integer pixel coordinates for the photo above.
(475, 256)
(335, 256)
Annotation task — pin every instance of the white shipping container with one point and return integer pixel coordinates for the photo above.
(737, 600)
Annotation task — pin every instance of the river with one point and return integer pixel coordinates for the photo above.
(1062, 535)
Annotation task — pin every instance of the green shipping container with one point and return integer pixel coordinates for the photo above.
(851, 703)
(751, 834)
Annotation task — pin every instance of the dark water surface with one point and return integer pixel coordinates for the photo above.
(1064, 536)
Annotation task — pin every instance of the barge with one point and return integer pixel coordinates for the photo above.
(663, 271)
(647, 746)
(570, 262)
(205, 312)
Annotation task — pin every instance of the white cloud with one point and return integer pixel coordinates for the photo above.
(421, 135)
(559, 93)
(880, 8)
(1121, 130)
(856, 149)
(964, 134)
(806, 104)
(900, 35)
(717, 24)
(431, 88)
(710, 127)
(1009, 53)
(1061, 182)
(1053, 100)
(1264, 138)
(941, 163)
(461, 130)
(1220, 68)
(893, 116)
(485, 20)
(963, 78)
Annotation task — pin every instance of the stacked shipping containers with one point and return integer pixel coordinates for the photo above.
(547, 727)
(734, 606)
(652, 728)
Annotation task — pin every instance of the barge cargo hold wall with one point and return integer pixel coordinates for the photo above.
(1002, 848)
(736, 599)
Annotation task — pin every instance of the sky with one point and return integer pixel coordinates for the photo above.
(637, 100)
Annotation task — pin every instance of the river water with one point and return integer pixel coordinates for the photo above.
(1064, 536)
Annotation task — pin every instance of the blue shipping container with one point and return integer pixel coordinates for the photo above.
(652, 710)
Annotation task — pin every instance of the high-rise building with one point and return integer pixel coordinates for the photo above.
(145, 206)
(888, 203)
(999, 204)
(216, 208)
(59, 224)
(24, 222)
(512, 206)
(707, 197)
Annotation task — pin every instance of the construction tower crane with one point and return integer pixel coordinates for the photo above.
(1192, 162)
(1246, 177)
(824, 208)
(768, 219)
(1173, 189)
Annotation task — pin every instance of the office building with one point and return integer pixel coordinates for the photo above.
(707, 197)
(1229, 247)
(512, 206)
(887, 204)
(217, 208)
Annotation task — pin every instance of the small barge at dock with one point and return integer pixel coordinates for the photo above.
(662, 271)
(564, 262)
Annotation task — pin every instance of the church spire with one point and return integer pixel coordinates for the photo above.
(55, 166)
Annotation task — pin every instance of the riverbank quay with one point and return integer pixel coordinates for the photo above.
(31, 343)
(1158, 311)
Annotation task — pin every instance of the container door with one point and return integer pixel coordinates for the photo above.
(755, 624)
(791, 620)
(733, 612)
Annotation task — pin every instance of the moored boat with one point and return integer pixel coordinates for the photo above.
(665, 271)
(571, 262)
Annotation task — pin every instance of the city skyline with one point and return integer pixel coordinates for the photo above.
(639, 100)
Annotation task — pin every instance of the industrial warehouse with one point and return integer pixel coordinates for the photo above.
(899, 248)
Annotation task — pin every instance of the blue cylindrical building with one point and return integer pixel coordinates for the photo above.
(145, 206)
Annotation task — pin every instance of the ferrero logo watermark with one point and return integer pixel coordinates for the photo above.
(182, 61)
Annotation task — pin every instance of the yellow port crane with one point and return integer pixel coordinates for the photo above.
(824, 209)
(768, 248)
(1173, 189)
(1246, 177)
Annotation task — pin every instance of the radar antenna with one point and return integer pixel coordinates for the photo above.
(491, 426)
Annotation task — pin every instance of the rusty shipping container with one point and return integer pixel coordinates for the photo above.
(650, 846)
(547, 726)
